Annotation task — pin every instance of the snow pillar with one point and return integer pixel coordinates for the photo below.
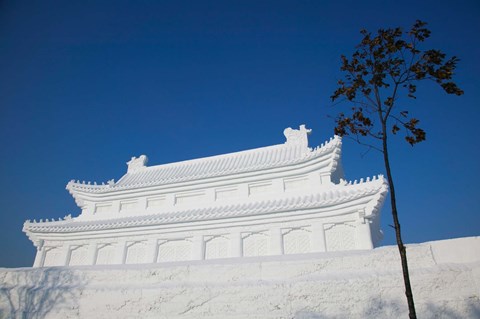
(198, 248)
(236, 243)
(276, 241)
(363, 234)
(318, 237)
(121, 252)
(40, 256)
(66, 252)
(92, 254)
(152, 250)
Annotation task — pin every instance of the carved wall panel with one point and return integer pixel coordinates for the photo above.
(217, 247)
(136, 253)
(256, 245)
(105, 255)
(295, 184)
(128, 206)
(175, 250)
(261, 188)
(52, 257)
(226, 193)
(103, 208)
(188, 198)
(297, 241)
(78, 256)
(156, 202)
(340, 237)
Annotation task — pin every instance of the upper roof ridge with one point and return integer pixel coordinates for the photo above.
(294, 150)
(196, 161)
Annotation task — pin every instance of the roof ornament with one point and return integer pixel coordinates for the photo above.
(136, 164)
(299, 136)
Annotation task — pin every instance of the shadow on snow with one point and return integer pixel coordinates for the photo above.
(33, 293)
(379, 308)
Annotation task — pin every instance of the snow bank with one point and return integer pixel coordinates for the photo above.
(362, 284)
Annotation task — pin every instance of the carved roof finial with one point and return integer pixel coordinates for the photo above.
(136, 164)
(299, 136)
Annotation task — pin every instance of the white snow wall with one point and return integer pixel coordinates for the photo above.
(364, 284)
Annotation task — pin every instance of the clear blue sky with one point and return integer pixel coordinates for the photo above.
(85, 85)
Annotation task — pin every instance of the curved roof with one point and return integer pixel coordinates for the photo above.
(221, 165)
(343, 194)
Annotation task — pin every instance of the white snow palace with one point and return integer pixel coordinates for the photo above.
(280, 199)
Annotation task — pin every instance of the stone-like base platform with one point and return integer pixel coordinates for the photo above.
(364, 284)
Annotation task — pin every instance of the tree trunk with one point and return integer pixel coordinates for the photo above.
(403, 252)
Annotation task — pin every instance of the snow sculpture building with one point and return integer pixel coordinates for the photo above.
(280, 199)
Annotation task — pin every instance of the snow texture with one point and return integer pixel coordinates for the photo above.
(356, 284)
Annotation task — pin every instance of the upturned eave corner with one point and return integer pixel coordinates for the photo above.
(72, 191)
(374, 207)
(336, 167)
(31, 235)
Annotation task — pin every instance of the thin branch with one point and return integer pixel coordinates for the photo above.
(379, 103)
(390, 107)
(398, 120)
(376, 136)
(357, 140)
(369, 99)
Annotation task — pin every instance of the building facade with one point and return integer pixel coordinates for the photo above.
(281, 199)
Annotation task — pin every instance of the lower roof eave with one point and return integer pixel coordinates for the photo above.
(370, 204)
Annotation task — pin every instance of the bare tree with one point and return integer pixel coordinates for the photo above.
(385, 67)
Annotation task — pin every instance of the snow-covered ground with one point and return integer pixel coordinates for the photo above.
(361, 284)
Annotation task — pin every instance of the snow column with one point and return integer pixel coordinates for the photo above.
(236, 244)
(198, 248)
(276, 241)
(40, 256)
(318, 237)
(363, 235)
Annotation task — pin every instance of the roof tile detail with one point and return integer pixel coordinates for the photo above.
(348, 192)
(214, 166)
